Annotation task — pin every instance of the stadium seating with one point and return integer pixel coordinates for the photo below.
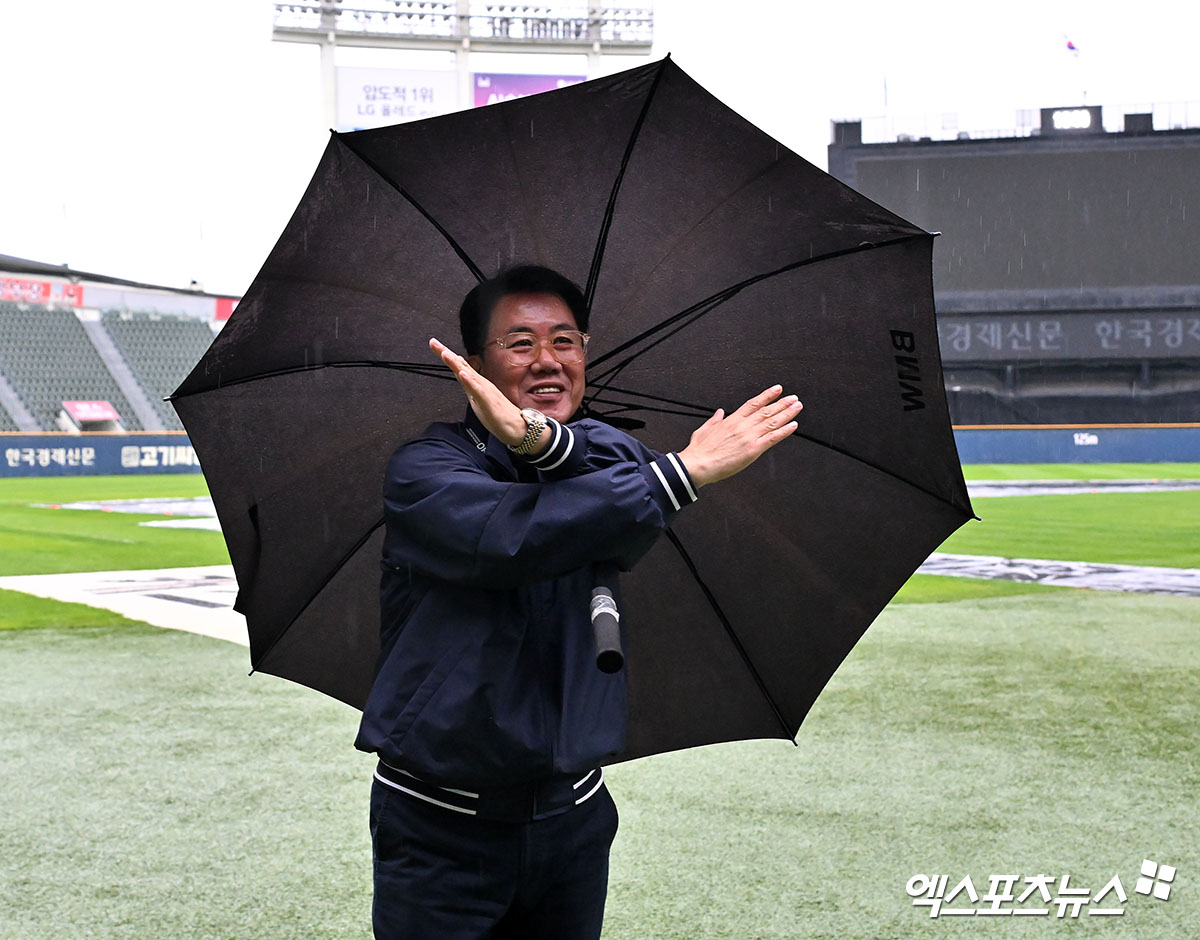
(6, 422)
(160, 350)
(47, 357)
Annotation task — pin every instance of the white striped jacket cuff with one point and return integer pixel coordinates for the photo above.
(673, 476)
(564, 451)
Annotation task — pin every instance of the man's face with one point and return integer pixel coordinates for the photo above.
(552, 387)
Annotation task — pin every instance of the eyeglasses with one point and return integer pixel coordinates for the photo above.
(522, 349)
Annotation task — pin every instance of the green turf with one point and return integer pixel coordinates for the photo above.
(39, 540)
(154, 790)
(78, 488)
(937, 589)
(20, 611)
(1122, 528)
(35, 539)
(1155, 528)
(1026, 735)
(1082, 471)
(1117, 528)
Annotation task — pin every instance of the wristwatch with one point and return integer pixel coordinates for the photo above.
(535, 423)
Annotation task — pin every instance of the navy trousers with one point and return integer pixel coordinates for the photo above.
(443, 875)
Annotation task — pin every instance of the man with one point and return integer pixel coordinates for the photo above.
(489, 816)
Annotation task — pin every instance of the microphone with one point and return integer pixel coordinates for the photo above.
(606, 627)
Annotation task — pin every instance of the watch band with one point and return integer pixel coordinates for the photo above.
(535, 423)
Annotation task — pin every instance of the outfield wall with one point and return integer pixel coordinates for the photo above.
(1099, 443)
(38, 455)
(107, 453)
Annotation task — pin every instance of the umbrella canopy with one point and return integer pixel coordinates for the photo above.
(715, 261)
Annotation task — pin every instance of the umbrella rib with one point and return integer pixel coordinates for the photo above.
(731, 634)
(602, 241)
(612, 373)
(694, 411)
(408, 197)
(315, 594)
(417, 368)
(705, 306)
(696, 311)
(937, 497)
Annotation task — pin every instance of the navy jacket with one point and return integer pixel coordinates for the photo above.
(487, 675)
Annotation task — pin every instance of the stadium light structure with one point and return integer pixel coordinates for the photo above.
(574, 27)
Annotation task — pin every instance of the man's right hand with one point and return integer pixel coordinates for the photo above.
(727, 444)
(500, 416)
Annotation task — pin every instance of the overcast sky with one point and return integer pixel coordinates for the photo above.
(169, 140)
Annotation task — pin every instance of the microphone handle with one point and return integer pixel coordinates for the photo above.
(606, 628)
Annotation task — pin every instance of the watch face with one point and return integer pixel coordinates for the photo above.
(535, 421)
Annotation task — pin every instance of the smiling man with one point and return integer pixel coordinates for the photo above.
(491, 720)
(541, 350)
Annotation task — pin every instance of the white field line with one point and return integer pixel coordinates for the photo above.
(198, 600)
(1130, 579)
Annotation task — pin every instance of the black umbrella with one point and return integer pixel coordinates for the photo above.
(715, 261)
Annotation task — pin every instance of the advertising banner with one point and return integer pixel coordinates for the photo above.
(22, 290)
(1070, 336)
(91, 411)
(378, 97)
(57, 455)
(494, 87)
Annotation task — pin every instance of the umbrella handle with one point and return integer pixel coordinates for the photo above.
(606, 625)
